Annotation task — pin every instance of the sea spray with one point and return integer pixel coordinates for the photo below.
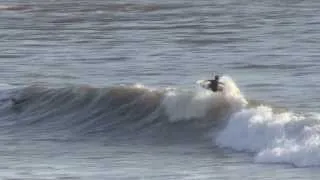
(182, 105)
(274, 137)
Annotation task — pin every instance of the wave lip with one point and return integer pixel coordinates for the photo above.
(14, 7)
(119, 110)
(181, 105)
(167, 114)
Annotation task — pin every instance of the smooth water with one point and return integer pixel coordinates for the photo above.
(108, 89)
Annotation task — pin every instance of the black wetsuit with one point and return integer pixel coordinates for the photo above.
(214, 85)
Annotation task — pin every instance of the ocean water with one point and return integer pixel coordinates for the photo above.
(108, 89)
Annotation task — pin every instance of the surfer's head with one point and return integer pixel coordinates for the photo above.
(216, 77)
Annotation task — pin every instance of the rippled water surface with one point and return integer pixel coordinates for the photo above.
(270, 48)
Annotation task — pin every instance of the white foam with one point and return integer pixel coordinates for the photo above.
(144, 87)
(275, 138)
(181, 105)
(232, 91)
(184, 105)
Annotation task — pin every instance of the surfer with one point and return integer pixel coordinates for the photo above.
(215, 85)
(17, 101)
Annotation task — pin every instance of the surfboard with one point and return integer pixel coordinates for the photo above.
(205, 84)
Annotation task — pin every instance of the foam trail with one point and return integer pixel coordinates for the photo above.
(275, 138)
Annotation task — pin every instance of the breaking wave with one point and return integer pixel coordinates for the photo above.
(285, 137)
(117, 112)
(163, 115)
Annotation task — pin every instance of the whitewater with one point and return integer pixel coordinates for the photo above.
(230, 120)
(113, 90)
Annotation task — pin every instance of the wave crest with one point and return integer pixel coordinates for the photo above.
(119, 110)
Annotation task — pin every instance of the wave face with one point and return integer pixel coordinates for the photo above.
(116, 112)
(168, 115)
